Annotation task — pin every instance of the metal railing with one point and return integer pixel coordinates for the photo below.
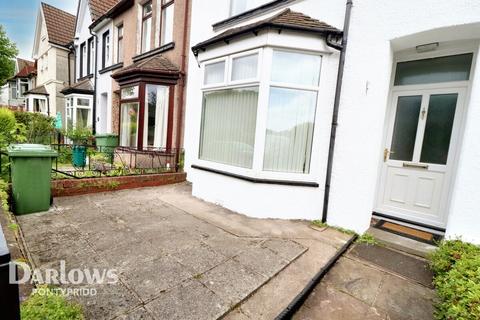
(91, 161)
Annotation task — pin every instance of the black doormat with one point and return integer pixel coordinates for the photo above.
(408, 232)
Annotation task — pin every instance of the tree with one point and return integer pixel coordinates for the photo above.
(8, 52)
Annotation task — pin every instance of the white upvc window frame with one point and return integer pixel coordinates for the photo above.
(72, 108)
(263, 81)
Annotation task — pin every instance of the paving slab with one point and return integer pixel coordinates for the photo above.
(411, 267)
(177, 257)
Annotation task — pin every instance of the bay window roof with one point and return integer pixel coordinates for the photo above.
(81, 87)
(285, 20)
(157, 66)
(38, 90)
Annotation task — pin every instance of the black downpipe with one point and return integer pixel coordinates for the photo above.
(298, 301)
(336, 105)
(94, 107)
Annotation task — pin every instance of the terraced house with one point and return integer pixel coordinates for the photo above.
(54, 61)
(284, 120)
(131, 70)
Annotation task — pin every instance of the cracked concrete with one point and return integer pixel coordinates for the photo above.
(177, 256)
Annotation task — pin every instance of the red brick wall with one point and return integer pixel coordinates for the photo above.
(72, 187)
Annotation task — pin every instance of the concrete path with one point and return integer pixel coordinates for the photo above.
(373, 283)
(178, 257)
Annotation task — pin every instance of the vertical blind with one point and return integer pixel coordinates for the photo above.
(289, 135)
(228, 126)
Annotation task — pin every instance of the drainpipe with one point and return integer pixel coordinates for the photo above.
(336, 106)
(69, 67)
(183, 80)
(94, 107)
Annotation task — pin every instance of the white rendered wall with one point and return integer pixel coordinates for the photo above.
(104, 83)
(378, 29)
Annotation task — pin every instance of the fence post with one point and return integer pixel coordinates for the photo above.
(9, 293)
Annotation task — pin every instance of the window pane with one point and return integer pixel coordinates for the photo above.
(129, 92)
(83, 102)
(147, 9)
(82, 118)
(297, 68)
(146, 34)
(156, 116)
(288, 143)
(167, 24)
(438, 128)
(215, 73)
(245, 67)
(405, 129)
(239, 6)
(443, 69)
(129, 124)
(120, 51)
(228, 126)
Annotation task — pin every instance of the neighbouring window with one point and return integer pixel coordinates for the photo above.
(239, 6)
(23, 87)
(146, 27)
(79, 112)
(40, 105)
(90, 57)
(106, 49)
(229, 112)
(228, 126)
(120, 43)
(129, 93)
(129, 124)
(156, 115)
(83, 59)
(434, 70)
(168, 9)
(214, 73)
(13, 90)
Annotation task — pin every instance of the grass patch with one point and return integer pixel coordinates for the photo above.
(320, 224)
(51, 306)
(367, 239)
(456, 265)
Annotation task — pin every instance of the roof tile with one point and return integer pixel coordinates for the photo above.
(60, 25)
(99, 7)
(157, 63)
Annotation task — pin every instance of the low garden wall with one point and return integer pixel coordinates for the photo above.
(72, 187)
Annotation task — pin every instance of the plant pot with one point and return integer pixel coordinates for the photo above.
(79, 156)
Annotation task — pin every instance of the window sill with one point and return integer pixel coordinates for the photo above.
(110, 68)
(258, 180)
(165, 47)
(250, 14)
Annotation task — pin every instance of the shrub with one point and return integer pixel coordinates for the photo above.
(457, 278)
(49, 305)
(8, 125)
(38, 127)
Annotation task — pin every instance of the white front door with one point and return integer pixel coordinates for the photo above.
(420, 149)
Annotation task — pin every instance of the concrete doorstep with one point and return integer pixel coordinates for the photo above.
(177, 256)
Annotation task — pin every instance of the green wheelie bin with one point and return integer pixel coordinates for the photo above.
(31, 167)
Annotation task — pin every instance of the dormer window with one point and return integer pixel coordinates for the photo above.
(146, 26)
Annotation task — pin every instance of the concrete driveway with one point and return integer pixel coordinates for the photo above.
(177, 257)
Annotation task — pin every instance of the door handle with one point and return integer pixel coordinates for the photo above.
(415, 165)
(385, 154)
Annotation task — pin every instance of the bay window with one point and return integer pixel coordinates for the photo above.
(146, 27)
(168, 9)
(259, 111)
(79, 111)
